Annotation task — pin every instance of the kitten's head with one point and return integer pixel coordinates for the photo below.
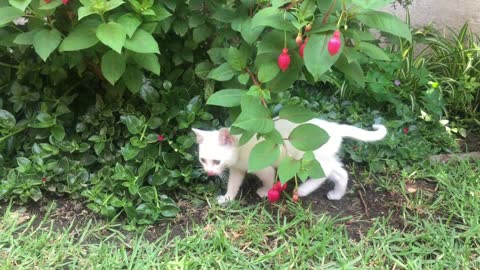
(217, 150)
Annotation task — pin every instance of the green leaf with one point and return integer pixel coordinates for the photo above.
(130, 23)
(317, 59)
(161, 13)
(237, 58)
(112, 4)
(84, 12)
(263, 155)
(83, 36)
(23, 164)
(20, 4)
(226, 97)
(8, 14)
(58, 132)
(133, 78)
(274, 136)
(222, 73)
(133, 123)
(201, 33)
(267, 71)
(353, 71)
(148, 61)
(113, 66)
(288, 168)
(308, 137)
(246, 136)
(46, 41)
(371, 4)
(112, 35)
(385, 22)
(274, 17)
(7, 120)
(26, 38)
(202, 69)
(142, 42)
(254, 116)
(314, 169)
(169, 210)
(129, 152)
(296, 114)
(249, 33)
(373, 51)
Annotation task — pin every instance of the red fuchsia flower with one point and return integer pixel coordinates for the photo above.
(44, 179)
(65, 2)
(279, 187)
(302, 47)
(334, 43)
(405, 130)
(284, 60)
(160, 138)
(273, 195)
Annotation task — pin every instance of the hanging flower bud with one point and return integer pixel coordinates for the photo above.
(273, 195)
(334, 43)
(284, 60)
(299, 40)
(302, 47)
(65, 2)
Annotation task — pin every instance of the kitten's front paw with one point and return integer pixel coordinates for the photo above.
(334, 195)
(223, 199)
(263, 192)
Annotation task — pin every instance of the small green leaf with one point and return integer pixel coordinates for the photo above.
(222, 73)
(142, 42)
(373, 51)
(385, 22)
(58, 132)
(274, 17)
(263, 155)
(8, 14)
(288, 168)
(133, 78)
(83, 36)
(314, 169)
(202, 69)
(129, 152)
(246, 136)
(316, 52)
(7, 120)
(237, 58)
(267, 71)
(148, 61)
(20, 4)
(113, 66)
(353, 71)
(254, 116)
(46, 41)
(308, 137)
(226, 97)
(112, 35)
(130, 23)
(84, 12)
(133, 123)
(26, 38)
(296, 114)
(24, 164)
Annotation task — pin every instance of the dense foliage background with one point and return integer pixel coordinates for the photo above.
(97, 97)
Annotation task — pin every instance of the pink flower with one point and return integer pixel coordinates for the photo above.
(161, 138)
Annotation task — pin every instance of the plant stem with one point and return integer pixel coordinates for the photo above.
(9, 65)
(329, 11)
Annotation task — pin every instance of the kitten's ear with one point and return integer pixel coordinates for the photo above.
(199, 135)
(225, 137)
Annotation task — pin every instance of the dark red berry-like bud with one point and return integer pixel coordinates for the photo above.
(334, 43)
(284, 60)
(44, 179)
(161, 138)
(405, 131)
(273, 195)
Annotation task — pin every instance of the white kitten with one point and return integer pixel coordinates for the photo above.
(219, 150)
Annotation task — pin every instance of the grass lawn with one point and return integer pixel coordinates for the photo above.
(428, 218)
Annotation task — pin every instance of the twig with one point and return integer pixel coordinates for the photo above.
(327, 14)
(254, 78)
(364, 203)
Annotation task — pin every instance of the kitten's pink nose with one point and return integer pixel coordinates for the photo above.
(210, 173)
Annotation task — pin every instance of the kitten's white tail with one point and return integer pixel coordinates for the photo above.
(379, 132)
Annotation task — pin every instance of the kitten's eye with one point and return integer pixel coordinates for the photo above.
(216, 162)
(202, 160)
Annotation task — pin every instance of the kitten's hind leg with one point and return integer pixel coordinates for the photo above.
(310, 186)
(340, 177)
(267, 176)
